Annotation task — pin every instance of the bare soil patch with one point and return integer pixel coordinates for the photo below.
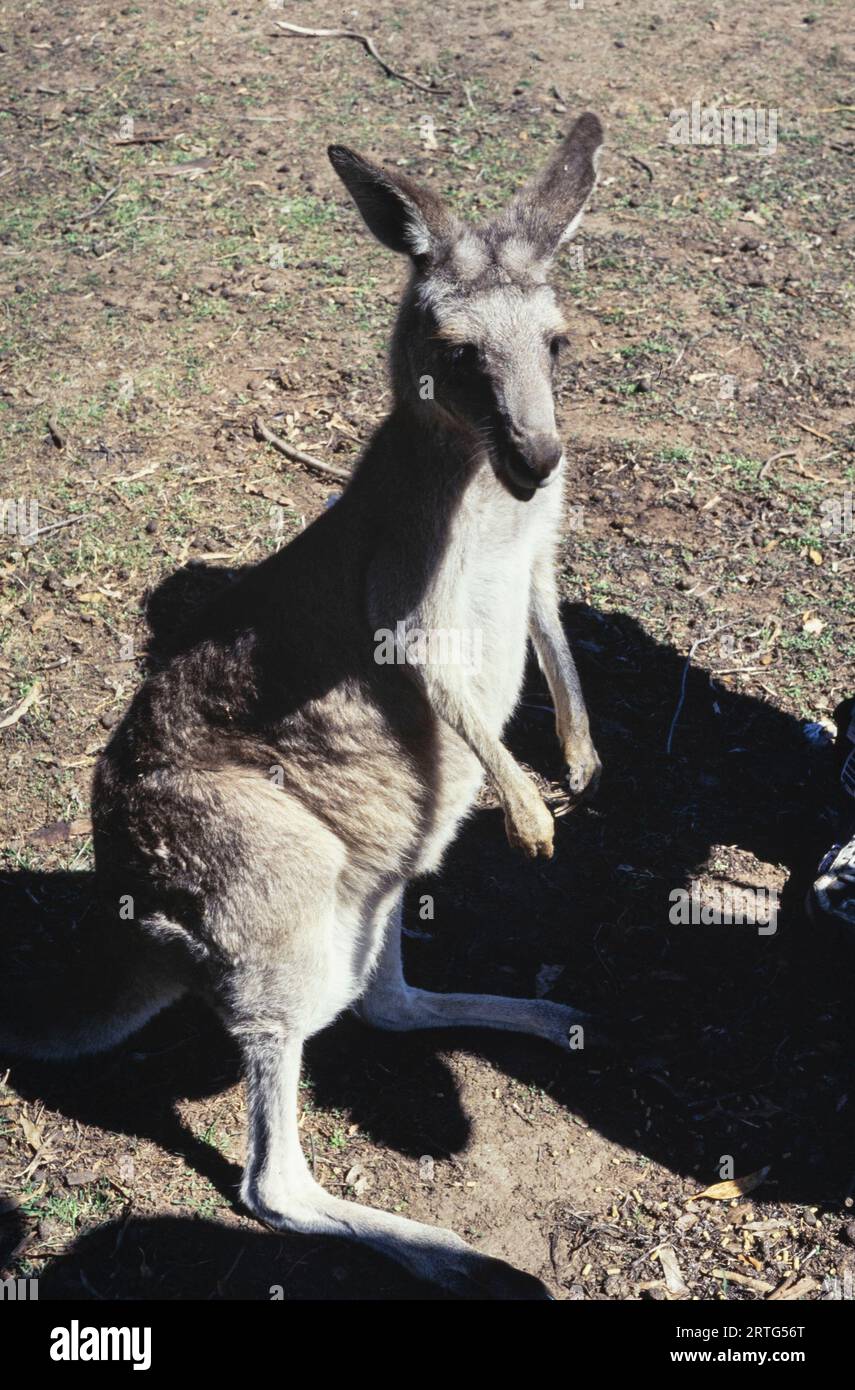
(157, 297)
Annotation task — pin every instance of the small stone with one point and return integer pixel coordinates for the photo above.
(80, 1177)
(127, 1170)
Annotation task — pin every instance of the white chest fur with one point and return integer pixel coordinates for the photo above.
(481, 591)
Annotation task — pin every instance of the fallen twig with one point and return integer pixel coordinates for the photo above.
(143, 139)
(58, 525)
(784, 454)
(639, 163)
(367, 44)
(788, 1290)
(296, 455)
(817, 433)
(102, 202)
(738, 671)
(634, 159)
(56, 434)
(693, 342)
(689, 659)
(758, 1285)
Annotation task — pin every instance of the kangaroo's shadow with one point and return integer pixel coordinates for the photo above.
(725, 1040)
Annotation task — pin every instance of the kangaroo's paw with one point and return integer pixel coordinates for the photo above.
(583, 768)
(529, 827)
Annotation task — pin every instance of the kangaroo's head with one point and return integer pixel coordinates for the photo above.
(480, 331)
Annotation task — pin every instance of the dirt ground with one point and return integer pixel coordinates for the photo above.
(177, 259)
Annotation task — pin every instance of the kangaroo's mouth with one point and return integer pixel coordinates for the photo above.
(521, 481)
(524, 478)
(512, 470)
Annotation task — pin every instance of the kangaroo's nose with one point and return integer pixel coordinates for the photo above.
(544, 454)
(540, 455)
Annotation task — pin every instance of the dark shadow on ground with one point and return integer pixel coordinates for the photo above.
(166, 1257)
(724, 1040)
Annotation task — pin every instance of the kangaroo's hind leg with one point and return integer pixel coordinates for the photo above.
(293, 945)
(278, 1186)
(389, 1002)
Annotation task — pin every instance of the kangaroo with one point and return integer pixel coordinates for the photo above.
(273, 789)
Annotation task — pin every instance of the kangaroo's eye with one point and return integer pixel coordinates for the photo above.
(464, 356)
(557, 345)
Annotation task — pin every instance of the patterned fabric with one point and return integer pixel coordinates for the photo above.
(833, 892)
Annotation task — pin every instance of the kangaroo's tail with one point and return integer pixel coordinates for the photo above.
(73, 980)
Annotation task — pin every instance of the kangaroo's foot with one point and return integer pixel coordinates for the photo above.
(405, 1009)
(430, 1253)
(389, 1002)
(279, 1190)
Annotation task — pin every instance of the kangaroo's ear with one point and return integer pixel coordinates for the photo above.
(406, 216)
(548, 212)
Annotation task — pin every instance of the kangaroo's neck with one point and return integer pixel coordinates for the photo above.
(426, 506)
(420, 461)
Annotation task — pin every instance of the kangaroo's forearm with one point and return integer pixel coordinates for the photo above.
(455, 709)
(556, 662)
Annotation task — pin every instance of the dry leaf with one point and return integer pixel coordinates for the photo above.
(733, 1187)
(269, 494)
(674, 1281)
(815, 556)
(32, 1133)
(359, 1179)
(18, 711)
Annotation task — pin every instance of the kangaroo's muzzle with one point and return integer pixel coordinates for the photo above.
(533, 464)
